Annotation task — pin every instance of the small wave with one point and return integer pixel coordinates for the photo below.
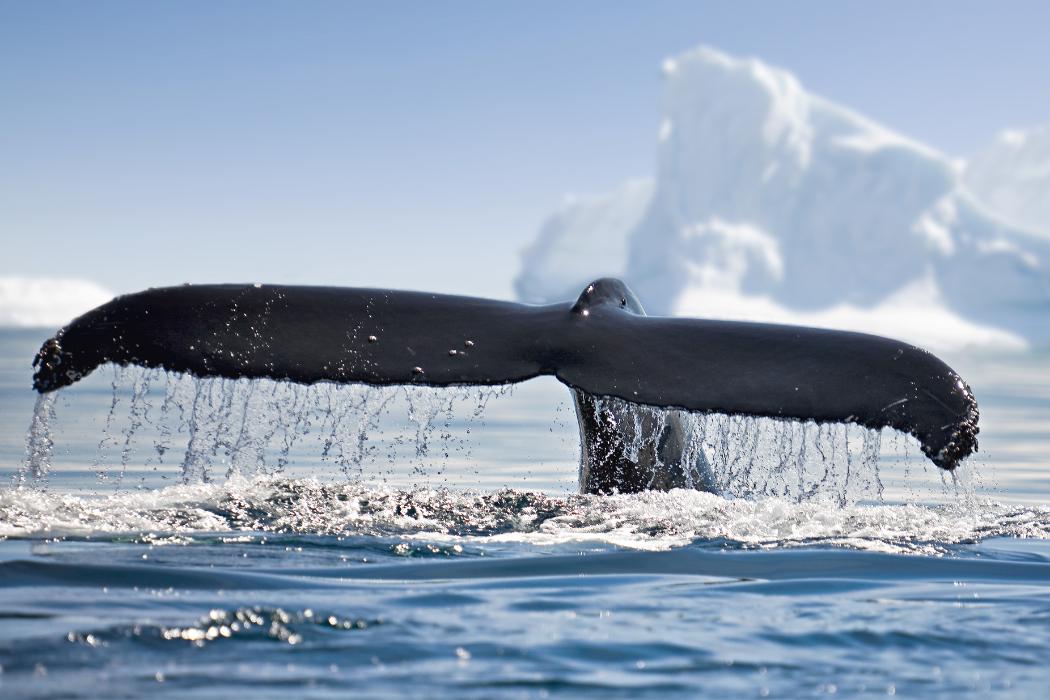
(646, 521)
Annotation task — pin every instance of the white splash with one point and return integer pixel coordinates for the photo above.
(651, 520)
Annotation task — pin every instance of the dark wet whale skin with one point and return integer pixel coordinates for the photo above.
(609, 430)
(601, 345)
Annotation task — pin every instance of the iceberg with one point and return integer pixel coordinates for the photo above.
(1012, 178)
(587, 238)
(771, 203)
(33, 302)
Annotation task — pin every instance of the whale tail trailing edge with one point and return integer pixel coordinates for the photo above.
(602, 345)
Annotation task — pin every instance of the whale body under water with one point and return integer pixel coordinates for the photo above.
(614, 358)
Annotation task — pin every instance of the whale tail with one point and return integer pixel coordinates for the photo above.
(601, 345)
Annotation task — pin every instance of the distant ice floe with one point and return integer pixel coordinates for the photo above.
(770, 203)
(29, 302)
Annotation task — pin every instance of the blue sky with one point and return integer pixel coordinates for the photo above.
(417, 145)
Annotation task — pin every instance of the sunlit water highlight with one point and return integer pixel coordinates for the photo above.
(163, 535)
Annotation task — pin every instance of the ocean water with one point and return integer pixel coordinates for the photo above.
(173, 537)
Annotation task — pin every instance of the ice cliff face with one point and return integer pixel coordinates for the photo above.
(771, 203)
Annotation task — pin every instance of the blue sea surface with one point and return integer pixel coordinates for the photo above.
(218, 539)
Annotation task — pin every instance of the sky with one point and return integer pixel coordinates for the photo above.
(418, 145)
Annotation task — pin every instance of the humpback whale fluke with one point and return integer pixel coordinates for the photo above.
(603, 345)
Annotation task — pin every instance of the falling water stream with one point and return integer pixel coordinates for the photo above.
(218, 428)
